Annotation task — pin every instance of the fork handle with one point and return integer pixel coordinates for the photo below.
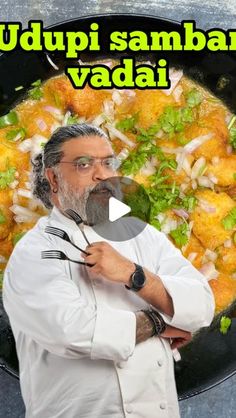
(78, 248)
(81, 262)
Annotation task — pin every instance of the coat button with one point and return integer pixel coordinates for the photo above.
(160, 363)
(162, 405)
(129, 409)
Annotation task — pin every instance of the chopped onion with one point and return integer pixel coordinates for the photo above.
(14, 184)
(27, 185)
(181, 212)
(128, 92)
(206, 206)
(52, 63)
(198, 167)
(194, 184)
(25, 146)
(108, 107)
(177, 93)
(120, 135)
(148, 169)
(23, 214)
(168, 225)
(209, 255)
(174, 76)
(192, 256)
(215, 160)
(17, 174)
(116, 97)
(3, 259)
(225, 257)
(229, 149)
(160, 133)
(25, 193)
(209, 270)
(172, 150)
(54, 127)
(41, 125)
(36, 142)
(98, 120)
(196, 142)
(15, 197)
(204, 181)
(228, 243)
(123, 154)
(187, 167)
(180, 159)
(213, 178)
(66, 117)
(55, 112)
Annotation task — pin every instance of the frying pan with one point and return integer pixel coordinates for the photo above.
(211, 357)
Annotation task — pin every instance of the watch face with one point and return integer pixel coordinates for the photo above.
(139, 278)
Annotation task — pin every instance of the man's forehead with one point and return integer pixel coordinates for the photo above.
(87, 145)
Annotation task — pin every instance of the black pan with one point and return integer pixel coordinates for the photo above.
(211, 357)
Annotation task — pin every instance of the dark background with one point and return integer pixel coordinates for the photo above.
(221, 400)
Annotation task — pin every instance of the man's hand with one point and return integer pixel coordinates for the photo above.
(179, 337)
(108, 262)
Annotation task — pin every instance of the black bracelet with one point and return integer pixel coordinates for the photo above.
(159, 324)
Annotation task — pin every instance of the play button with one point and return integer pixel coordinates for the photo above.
(118, 209)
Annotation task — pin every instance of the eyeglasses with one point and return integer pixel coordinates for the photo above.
(84, 165)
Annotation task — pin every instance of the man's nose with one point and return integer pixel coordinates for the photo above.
(99, 172)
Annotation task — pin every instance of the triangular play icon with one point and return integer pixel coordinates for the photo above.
(117, 209)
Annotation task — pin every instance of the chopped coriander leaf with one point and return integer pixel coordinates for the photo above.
(36, 92)
(17, 237)
(148, 134)
(11, 135)
(134, 162)
(193, 98)
(139, 203)
(19, 88)
(232, 137)
(156, 224)
(229, 221)
(10, 118)
(173, 120)
(7, 177)
(128, 124)
(42, 144)
(180, 234)
(187, 115)
(181, 139)
(1, 278)
(72, 119)
(225, 323)
(189, 202)
(2, 218)
(163, 197)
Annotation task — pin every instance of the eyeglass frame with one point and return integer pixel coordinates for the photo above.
(94, 159)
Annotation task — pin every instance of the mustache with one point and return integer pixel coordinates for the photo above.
(104, 186)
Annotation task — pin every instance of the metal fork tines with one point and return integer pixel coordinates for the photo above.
(57, 254)
(63, 235)
(78, 220)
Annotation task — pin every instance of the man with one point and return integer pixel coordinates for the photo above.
(85, 348)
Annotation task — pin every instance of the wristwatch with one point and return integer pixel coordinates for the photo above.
(137, 279)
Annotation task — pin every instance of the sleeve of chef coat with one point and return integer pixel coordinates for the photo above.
(46, 305)
(192, 297)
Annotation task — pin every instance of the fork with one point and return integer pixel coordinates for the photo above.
(78, 220)
(59, 255)
(63, 235)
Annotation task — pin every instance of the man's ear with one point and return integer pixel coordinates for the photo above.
(51, 177)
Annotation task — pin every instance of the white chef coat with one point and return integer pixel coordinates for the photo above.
(75, 333)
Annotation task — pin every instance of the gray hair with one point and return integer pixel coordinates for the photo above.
(52, 155)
